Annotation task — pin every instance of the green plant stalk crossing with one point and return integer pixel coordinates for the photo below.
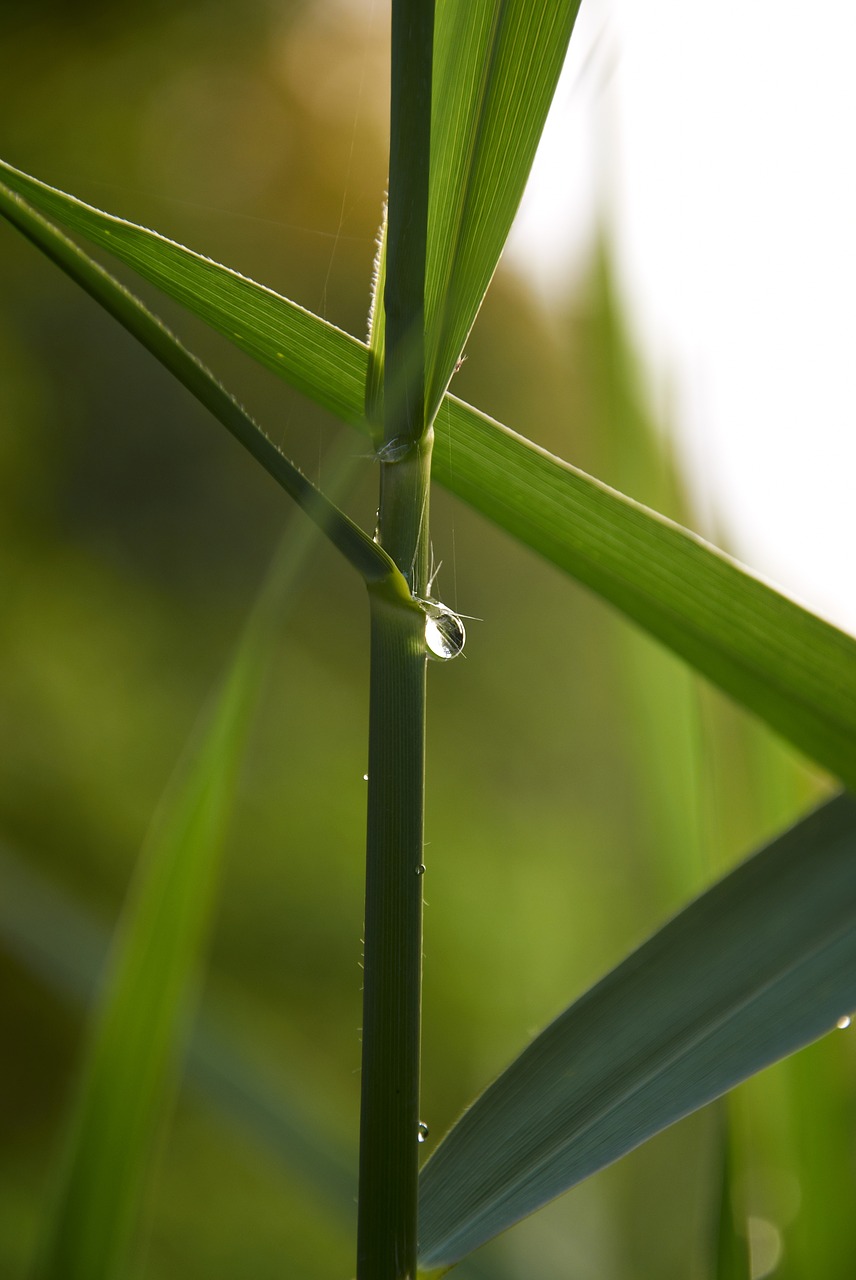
(389, 1116)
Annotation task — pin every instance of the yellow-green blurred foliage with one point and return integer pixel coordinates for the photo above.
(581, 782)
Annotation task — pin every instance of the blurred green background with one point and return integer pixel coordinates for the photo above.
(581, 783)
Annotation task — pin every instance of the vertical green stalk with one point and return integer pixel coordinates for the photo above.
(392, 990)
(389, 1120)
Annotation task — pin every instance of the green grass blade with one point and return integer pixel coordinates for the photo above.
(130, 1065)
(793, 670)
(65, 949)
(729, 1249)
(407, 220)
(311, 354)
(355, 545)
(497, 63)
(759, 965)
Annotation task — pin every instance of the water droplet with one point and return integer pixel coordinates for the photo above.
(422, 1131)
(365, 777)
(444, 631)
(843, 1022)
(420, 870)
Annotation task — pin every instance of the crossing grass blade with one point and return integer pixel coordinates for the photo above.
(361, 551)
(65, 949)
(312, 355)
(759, 965)
(130, 1065)
(792, 669)
(496, 66)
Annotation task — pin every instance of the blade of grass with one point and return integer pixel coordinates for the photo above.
(792, 669)
(497, 63)
(730, 1241)
(129, 1070)
(759, 965)
(497, 66)
(312, 355)
(361, 551)
(61, 945)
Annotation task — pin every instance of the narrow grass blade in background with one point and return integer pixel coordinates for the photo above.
(65, 949)
(759, 965)
(730, 1243)
(792, 669)
(130, 1066)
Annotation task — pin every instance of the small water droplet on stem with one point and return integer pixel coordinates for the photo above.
(422, 1131)
(445, 635)
(843, 1022)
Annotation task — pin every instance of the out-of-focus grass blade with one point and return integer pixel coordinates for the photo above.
(730, 1251)
(129, 1068)
(61, 944)
(496, 65)
(792, 669)
(759, 965)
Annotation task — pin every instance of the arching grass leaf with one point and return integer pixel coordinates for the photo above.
(790, 667)
(759, 965)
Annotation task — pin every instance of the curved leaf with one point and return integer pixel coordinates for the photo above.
(795, 671)
(758, 966)
(129, 1068)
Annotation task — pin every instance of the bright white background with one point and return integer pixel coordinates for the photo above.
(718, 142)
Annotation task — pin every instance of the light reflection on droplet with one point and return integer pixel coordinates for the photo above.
(843, 1022)
(365, 777)
(420, 870)
(445, 635)
(422, 1131)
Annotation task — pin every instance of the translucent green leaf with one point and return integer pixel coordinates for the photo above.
(759, 965)
(361, 551)
(792, 669)
(312, 355)
(130, 1065)
(496, 66)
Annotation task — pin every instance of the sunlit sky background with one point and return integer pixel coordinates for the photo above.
(717, 141)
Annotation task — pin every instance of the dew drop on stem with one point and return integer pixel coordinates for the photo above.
(422, 1131)
(445, 635)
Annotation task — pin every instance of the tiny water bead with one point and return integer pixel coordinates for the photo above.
(422, 1131)
(444, 631)
(420, 870)
(843, 1022)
